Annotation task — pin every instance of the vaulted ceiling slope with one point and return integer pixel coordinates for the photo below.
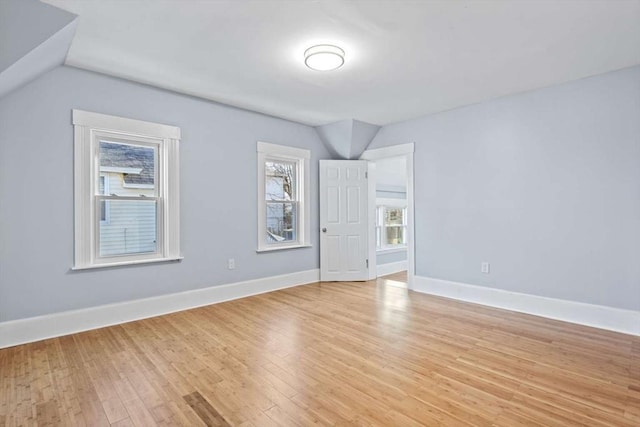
(34, 38)
(403, 58)
(347, 139)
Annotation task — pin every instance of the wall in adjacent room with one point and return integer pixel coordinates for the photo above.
(544, 185)
(392, 194)
(218, 194)
(389, 257)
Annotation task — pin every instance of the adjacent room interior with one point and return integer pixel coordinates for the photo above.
(391, 215)
(282, 213)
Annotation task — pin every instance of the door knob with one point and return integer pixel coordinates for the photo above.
(324, 230)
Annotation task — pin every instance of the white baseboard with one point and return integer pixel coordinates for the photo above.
(391, 267)
(597, 316)
(32, 329)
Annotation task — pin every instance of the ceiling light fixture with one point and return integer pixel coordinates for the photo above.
(324, 57)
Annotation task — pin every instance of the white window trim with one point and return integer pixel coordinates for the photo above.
(138, 186)
(135, 171)
(302, 157)
(87, 126)
(382, 202)
(395, 203)
(391, 249)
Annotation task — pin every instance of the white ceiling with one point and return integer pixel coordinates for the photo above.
(403, 58)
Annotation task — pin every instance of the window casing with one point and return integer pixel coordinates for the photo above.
(115, 223)
(283, 197)
(391, 225)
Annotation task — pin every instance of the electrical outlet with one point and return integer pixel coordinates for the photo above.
(484, 267)
(231, 263)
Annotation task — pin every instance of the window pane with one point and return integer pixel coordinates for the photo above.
(280, 180)
(395, 235)
(393, 216)
(282, 221)
(135, 164)
(131, 228)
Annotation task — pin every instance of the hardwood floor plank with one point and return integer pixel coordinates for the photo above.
(47, 413)
(205, 411)
(343, 353)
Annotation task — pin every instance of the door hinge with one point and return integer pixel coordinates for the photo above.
(366, 174)
(367, 263)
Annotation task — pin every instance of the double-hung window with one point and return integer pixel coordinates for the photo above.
(283, 197)
(126, 191)
(391, 225)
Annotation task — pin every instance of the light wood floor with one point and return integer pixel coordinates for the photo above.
(343, 353)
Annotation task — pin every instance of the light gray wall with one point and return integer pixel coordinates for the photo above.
(543, 185)
(218, 194)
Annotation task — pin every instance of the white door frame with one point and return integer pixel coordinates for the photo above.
(400, 150)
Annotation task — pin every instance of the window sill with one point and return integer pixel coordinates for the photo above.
(280, 248)
(125, 263)
(391, 250)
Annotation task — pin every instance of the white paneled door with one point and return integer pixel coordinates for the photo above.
(343, 220)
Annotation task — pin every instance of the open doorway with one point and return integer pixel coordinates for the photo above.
(391, 215)
(391, 238)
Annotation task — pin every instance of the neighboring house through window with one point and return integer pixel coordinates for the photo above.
(126, 191)
(283, 197)
(131, 172)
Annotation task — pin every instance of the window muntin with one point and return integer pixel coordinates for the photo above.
(126, 191)
(283, 199)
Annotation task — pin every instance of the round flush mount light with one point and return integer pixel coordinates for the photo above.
(324, 57)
